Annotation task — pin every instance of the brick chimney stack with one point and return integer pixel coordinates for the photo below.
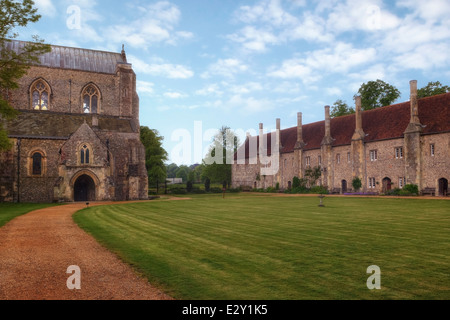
(300, 143)
(278, 133)
(359, 133)
(327, 140)
(414, 102)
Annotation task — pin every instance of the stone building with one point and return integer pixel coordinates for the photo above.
(389, 147)
(77, 136)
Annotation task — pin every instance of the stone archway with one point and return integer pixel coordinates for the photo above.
(387, 185)
(84, 189)
(443, 187)
(344, 186)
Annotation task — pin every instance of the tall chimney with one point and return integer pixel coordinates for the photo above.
(278, 133)
(359, 133)
(300, 143)
(327, 122)
(414, 102)
(358, 113)
(327, 140)
(261, 140)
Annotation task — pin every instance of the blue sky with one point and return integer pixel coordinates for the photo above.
(241, 63)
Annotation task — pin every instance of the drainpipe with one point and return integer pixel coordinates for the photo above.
(19, 142)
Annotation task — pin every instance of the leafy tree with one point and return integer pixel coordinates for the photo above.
(217, 163)
(432, 89)
(171, 170)
(155, 155)
(312, 175)
(14, 65)
(376, 94)
(340, 108)
(183, 172)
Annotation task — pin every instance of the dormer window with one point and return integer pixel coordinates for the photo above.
(40, 94)
(90, 98)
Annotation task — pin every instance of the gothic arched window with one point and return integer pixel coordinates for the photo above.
(91, 98)
(37, 164)
(40, 95)
(85, 155)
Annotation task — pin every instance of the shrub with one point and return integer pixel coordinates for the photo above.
(394, 192)
(178, 190)
(295, 182)
(189, 186)
(207, 184)
(413, 189)
(277, 187)
(356, 183)
(299, 189)
(215, 190)
(271, 190)
(319, 190)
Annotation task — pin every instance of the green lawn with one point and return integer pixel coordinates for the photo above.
(9, 211)
(267, 247)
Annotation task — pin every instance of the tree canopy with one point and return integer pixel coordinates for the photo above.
(155, 155)
(217, 163)
(14, 65)
(376, 94)
(432, 89)
(340, 108)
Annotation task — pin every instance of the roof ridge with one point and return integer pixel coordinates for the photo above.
(68, 47)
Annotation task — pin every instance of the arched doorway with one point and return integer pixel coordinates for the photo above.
(443, 187)
(344, 186)
(387, 185)
(84, 189)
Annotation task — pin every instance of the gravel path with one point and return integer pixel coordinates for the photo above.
(36, 250)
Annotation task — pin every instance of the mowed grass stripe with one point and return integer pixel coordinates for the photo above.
(246, 247)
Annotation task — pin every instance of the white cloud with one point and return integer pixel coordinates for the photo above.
(317, 64)
(225, 68)
(167, 70)
(310, 28)
(425, 57)
(45, 7)
(174, 95)
(430, 10)
(254, 39)
(212, 89)
(249, 105)
(154, 23)
(267, 11)
(366, 15)
(246, 88)
(144, 87)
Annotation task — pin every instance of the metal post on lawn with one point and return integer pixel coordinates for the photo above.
(321, 200)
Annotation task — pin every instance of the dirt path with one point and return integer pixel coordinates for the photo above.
(37, 248)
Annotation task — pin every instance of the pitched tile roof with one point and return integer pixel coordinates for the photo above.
(74, 58)
(379, 124)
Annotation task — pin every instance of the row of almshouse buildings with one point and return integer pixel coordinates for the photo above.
(388, 147)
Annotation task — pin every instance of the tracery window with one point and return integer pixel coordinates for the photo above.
(90, 98)
(85, 155)
(40, 93)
